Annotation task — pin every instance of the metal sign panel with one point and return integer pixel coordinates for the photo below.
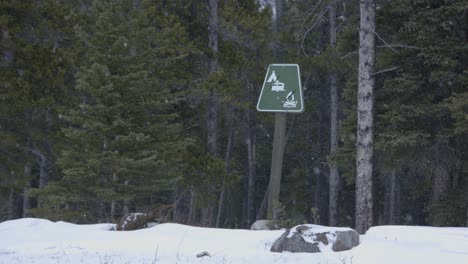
(281, 90)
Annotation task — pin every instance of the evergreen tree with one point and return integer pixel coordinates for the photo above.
(424, 80)
(35, 71)
(123, 143)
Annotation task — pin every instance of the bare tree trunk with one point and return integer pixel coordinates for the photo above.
(387, 201)
(212, 116)
(279, 13)
(227, 160)
(250, 142)
(261, 209)
(334, 176)
(251, 168)
(309, 170)
(125, 209)
(43, 174)
(191, 213)
(26, 199)
(26, 202)
(440, 184)
(212, 138)
(320, 167)
(11, 204)
(113, 209)
(365, 122)
(392, 199)
(278, 10)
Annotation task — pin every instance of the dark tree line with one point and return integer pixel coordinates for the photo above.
(116, 106)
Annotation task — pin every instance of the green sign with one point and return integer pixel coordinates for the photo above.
(281, 90)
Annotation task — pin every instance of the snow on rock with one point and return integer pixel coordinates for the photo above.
(315, 238)
(264, 225)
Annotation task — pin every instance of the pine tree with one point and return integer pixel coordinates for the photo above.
(420, 129)
(35, 71)
(123, 143)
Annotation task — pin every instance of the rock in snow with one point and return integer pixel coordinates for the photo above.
(203, 254)
(134, 221)
(314, 238)
(263, 225)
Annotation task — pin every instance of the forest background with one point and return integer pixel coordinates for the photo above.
(116, 106)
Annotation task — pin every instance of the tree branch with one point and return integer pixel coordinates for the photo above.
(386, 44)
(306, 33)
(386, 70)
(398, 46)
(383, 46)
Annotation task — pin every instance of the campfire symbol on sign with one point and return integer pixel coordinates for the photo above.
(289, 102)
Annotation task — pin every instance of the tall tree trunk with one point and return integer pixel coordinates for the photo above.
(191, 213)
(11, 204)
(392, 199)
(113, 209)
(251, 166)
(440, 184)
(278, 14)
(26, 198)
(309, 170)
(319, 169)
(43, 173)
(212, 137)
(365, 119)
(334, 176)
(26, 202)
(125, 209)
(227, 171)
(212, 116)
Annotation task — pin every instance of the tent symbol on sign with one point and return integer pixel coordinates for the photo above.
(276, 86)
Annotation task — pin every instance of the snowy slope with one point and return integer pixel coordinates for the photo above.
(42, 242)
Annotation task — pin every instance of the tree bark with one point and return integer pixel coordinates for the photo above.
(365, 119)
(334, 176)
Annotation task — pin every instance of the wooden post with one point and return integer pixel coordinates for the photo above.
(276, 165)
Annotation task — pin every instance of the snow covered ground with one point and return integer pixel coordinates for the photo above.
(41, 241)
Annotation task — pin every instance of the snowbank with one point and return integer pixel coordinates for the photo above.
(41, 241)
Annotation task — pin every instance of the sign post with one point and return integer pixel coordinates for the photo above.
(281, 93)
